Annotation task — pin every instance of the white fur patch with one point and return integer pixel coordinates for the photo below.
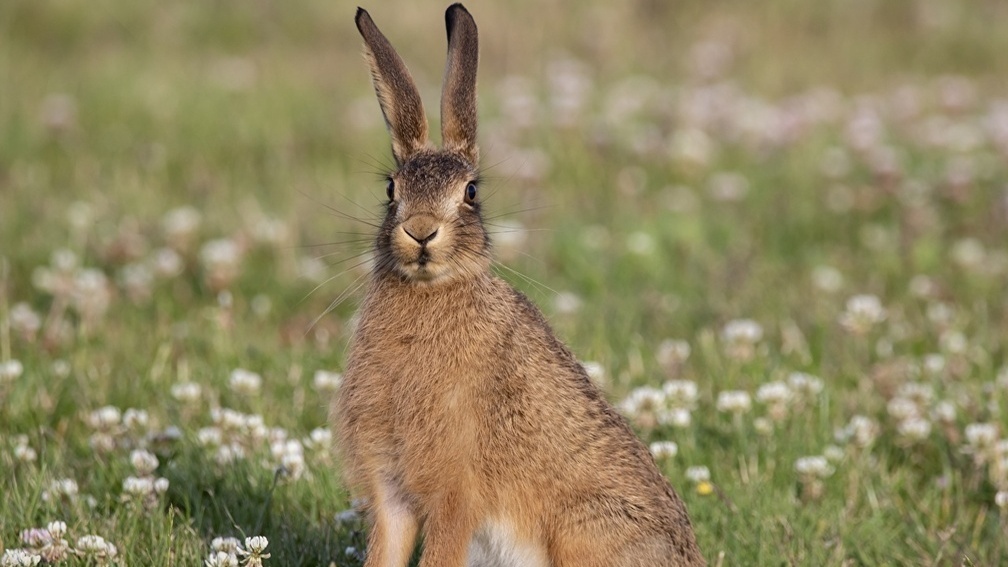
(495, 544)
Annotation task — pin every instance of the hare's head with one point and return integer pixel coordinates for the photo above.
(433, 231)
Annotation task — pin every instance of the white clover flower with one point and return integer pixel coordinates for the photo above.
(734, 401)
(105, 418)
(763, 426)
(144, 462)
(642, 399)
(664, 449)
(1001, 499)
(567, 303)
(740, 337)
(813, 467)
(293, 465)
(595, 371)
(267, 230)
(96, 546)
(256, 544)
(254, 426)
(953, 342)
(135, 418)
(91, 293)
(186, 392)
(673, 353)
(805, 384)
(225, 544)
(61, 368)
(19, 558)
(969, 253)
(56, 529)
(933, 364)
(245, 381)
(940, 314)
(102, 442)
(277, 435)
(253, 551)
(944, 412)
(10, 370)
(64, 260)
(221, 559)
(25, 454)
(227, 454)
(347, 516)
(138, 487)
(24, 320)
(827, 279)
(166, 263)
(902, 408)
(221, 260)
(209, 436)
(180, 225)
(919, 393)
(681, 393)
(692, 146)
(833, 453)
(161, 485)
(319, 437)
(922, 286)
(774, 393)
(863, 312)
(327, 380)
(914, 429)
(60, 488)
(137, 280)
(981, 435)
(36, 537)
(862, 430)
(698, 474)
(676, 417)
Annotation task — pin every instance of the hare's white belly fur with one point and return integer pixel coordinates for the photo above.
(495, 545)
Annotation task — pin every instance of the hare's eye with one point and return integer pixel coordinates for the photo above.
(390, 190)
(470, 194)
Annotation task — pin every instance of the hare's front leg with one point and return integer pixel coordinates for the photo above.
(393, 533)
(448, 531)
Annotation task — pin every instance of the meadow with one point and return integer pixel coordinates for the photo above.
(776, 233)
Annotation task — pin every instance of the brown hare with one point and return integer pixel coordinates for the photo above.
(461, 415)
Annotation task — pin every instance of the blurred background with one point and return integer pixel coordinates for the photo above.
(720, 192)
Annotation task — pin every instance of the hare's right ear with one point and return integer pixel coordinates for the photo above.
(397, 93)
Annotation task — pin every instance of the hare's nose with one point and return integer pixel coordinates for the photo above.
(422, 229)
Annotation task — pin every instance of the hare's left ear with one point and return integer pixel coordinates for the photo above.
(458, 94)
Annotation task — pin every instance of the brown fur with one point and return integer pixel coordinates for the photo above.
(461, 414)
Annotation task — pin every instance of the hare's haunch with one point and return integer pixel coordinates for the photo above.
(461, 416)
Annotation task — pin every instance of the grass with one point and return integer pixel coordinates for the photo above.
(838, 149)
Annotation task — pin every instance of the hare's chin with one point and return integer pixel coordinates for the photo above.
(426, 273)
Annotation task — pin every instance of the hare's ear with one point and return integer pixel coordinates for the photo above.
(458, 94)
(397, 93)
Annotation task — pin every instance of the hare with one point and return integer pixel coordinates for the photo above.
(461, 415)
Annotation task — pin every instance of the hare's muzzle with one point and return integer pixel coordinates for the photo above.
(421, 228)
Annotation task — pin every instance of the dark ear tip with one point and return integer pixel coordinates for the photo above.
(361, 14)
(453, 12)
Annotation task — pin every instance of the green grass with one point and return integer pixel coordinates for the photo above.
(254, 113)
